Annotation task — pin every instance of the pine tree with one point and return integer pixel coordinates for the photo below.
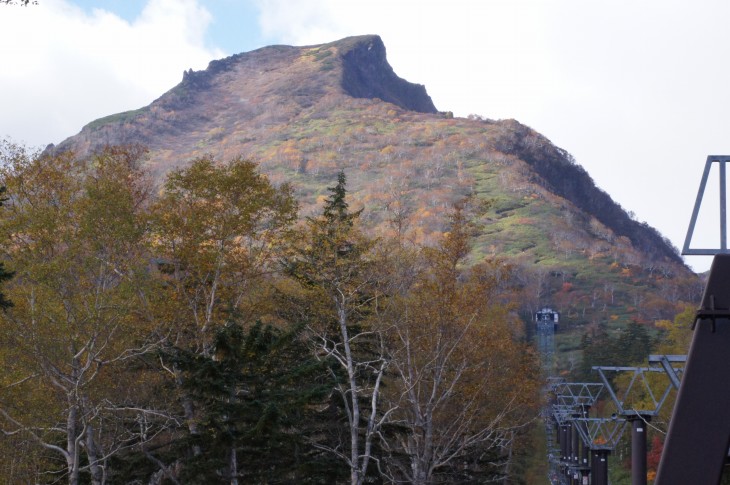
(255, 395)
(336, 210)
(336, 270)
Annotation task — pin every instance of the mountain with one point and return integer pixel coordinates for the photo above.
(304, 113)
(259, 89)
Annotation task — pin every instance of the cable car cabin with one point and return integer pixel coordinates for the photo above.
(546, 317)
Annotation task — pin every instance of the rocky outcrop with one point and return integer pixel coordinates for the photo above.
(367, 74)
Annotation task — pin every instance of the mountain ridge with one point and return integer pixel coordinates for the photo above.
(305, 113)
(365, 73)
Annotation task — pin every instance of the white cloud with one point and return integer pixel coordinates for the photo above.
(63, 67)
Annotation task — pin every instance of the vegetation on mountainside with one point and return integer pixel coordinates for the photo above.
(202, 335)
(573, 247)
(411, 172)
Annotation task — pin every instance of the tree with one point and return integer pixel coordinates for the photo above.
(334, 264)
(73, 231)
(631, 346)
(654, 456)
(462, 384)
(678, 332)
(255, 395)
(217, 230)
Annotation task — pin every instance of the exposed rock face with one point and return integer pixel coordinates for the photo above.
(367, 74)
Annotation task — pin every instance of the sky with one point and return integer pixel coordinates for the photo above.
(636, 91)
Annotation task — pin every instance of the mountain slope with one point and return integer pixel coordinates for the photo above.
(304, 113)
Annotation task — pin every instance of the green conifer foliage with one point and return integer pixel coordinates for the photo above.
(256, 394)
(337, 270)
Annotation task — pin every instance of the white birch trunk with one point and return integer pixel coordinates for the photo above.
(97, 473)
(72, 450)
(355, 476)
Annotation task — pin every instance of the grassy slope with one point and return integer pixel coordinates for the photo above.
(587, 272)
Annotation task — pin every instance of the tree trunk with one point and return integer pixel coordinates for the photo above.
(355, 472)
(188, 411)
(508, 463)
(97, 473)
(233, 466)
(72, 457)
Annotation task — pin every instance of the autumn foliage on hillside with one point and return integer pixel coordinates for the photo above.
(303, 114)
(203, 333)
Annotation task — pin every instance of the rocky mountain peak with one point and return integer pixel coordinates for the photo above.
(367, 74)
(265, 86)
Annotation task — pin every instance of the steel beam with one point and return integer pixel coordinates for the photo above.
(638, 378)
(599, 467)
(723, 249)
(638, 450)
(666, 362)
(699, 432)
(575, 447)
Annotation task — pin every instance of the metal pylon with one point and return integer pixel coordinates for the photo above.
(696, 446)
(721, 160)
(601, 433)
(638, 384)
(578, 393)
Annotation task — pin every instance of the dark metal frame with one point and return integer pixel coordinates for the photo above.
(697, 442)
(639, 376)
(721, 160)
(579, 445)
(571, 402)
(601, 433)
(574, 394)
(639, 418)
(666, 361)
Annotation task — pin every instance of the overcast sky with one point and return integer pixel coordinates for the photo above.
(637, 91)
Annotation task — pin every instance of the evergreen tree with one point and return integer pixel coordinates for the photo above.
(336, 209)
(255, 395)
(336, 269)
(598, 349)
(633, 345)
